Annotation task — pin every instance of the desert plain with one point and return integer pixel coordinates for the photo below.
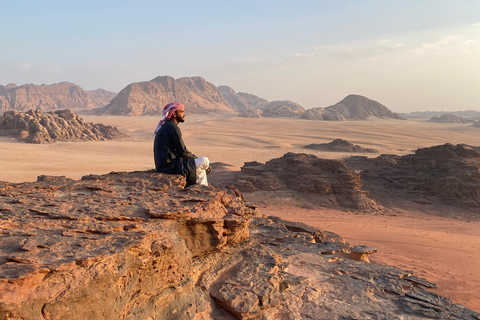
(435, 243)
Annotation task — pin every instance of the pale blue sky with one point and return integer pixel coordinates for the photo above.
(408, 55)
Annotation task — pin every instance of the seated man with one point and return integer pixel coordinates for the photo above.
(169, 151)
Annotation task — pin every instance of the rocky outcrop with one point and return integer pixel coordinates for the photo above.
(242, 101)
(138, 245)
(322, 114)
(449, 118)
(101, 97)
(339, 145)
(319, 181)
(469, 114)
(251, 113)
(448, 174)
(282, 109)
(122, 245)
(353, 107)
(476, 124)
(62, 95)
(149, 97)
(61, 125)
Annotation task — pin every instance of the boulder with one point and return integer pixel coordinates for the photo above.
(34, 126)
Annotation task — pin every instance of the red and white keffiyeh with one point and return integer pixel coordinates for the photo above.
(167, 113)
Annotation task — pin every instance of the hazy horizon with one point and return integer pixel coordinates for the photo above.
(408, 55)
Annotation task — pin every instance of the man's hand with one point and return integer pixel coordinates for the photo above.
(208, 170)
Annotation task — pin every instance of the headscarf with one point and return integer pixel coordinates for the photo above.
(167, 113)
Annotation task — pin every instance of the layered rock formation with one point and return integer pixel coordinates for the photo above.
(318, 181)
(353, 107)
(339, 145)
(448, 174)
(61, 125)
(251, 113)
(322, 114)
(138, 245)
(449, 118)
(62, 95)
(242, 101)
(149, 97)
(282, 109)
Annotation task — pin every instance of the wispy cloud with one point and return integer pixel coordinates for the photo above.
(447, 45)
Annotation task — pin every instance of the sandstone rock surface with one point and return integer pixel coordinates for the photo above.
(61, 125)
(322, 114)
(352, 107)
(282, 109)
(448, 174)
(149, 97)
(62, 95)
(318, 181)
(251, 113)
(450, 118)
(241, 100)
(137, 245)
(339, 145)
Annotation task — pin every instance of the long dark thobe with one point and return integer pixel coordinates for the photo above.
(170, 153)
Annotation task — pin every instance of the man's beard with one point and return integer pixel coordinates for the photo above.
(181, 119)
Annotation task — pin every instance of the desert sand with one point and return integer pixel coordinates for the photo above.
(442, 249)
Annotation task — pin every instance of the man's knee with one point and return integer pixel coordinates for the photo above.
(202, 163)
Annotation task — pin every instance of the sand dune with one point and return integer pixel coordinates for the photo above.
(441, 249)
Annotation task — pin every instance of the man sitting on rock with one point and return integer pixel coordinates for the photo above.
(169, 151)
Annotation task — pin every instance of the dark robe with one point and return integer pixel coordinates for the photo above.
(171, 155)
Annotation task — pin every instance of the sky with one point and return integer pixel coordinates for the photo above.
(410, 55)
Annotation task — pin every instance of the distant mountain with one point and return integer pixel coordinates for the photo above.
(242, 101)
(43, 97)
(469, 114)
(352, 107)
(450, 118)
(476, 124)
(149, 97)
(282, 109)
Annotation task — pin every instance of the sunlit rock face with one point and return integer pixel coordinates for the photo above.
(57, 96)
(149, 97)
(352, 107)
(447, 174)
(34, 126)
(138, 245)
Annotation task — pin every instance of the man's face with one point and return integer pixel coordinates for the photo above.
(180, 116)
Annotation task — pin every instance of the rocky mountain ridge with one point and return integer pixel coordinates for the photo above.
(352, 107)
(57, 96)
(34, 126)
(450, 118)
(242, 101)
(138, 245)
(149, 97)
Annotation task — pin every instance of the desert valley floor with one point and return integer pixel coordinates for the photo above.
(438, 246)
